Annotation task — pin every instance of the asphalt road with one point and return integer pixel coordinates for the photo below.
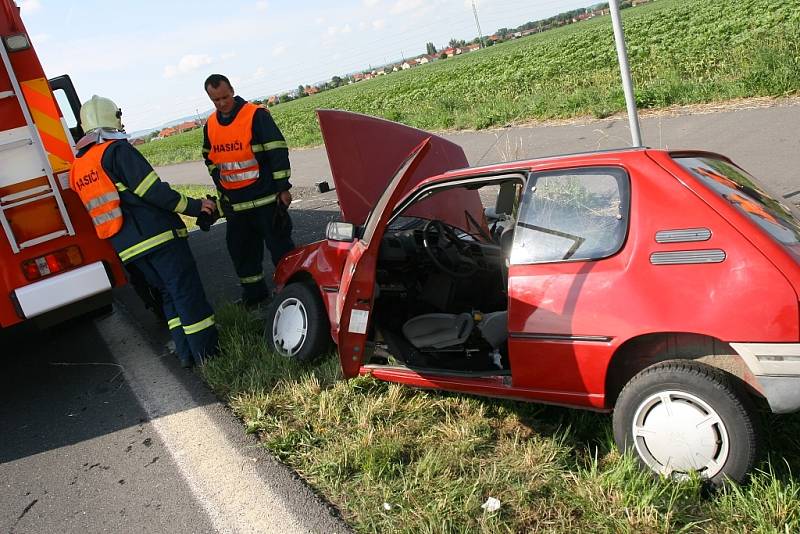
(763, 140)
(78, 452)
(100, 431)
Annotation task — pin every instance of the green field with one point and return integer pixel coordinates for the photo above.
(681, 52)
(434, 457)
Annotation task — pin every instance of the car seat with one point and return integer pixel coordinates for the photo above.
(444, 330)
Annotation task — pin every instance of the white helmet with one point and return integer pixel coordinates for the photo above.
(100, 112)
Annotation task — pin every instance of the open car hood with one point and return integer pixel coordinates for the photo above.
(364, 153)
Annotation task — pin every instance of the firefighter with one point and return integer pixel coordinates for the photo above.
(130, 206)
(248, 159)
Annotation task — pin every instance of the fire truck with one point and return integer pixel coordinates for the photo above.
(52, 264)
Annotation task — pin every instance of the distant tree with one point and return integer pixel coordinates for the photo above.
(300, 91)
(285, 97)
(431, 50)
(503, 32)
(336, 81)
(442, 56)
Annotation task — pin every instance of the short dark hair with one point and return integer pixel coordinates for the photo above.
(214, 80)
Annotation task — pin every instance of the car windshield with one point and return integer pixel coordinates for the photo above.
(742, 191)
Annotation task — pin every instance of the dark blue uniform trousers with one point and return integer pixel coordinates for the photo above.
(172, 270)
(246, 234)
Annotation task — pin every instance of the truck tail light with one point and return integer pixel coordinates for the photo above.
(54, 262)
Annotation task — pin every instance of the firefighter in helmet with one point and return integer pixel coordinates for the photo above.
(248, 159)
(138, 213)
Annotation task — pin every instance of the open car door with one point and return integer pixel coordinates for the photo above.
(357, 288)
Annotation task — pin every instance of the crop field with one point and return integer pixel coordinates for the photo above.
(681, 52)
(395, 459)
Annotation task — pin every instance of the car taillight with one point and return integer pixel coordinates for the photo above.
(55, 262)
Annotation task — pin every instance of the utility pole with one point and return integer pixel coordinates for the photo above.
(625, 72)
(477, 23)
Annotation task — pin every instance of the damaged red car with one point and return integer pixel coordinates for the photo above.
(660, 285)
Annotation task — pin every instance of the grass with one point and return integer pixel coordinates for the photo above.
(193, 191)
(434, 458)
(681, 52)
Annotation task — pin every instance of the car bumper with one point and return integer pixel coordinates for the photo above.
(776, 367)
(62, 290)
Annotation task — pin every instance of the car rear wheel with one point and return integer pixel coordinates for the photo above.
(297, 325)
(682, 416)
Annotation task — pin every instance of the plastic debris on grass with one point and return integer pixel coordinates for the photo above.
(491, 504)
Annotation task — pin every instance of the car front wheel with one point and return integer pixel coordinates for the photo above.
(297, 325)
(682, 416)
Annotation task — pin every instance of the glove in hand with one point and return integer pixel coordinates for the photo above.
(205, 220)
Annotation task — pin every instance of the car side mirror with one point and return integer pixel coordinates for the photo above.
(340, 231)
(505, 199)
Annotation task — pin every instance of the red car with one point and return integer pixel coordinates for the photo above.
(662, 285)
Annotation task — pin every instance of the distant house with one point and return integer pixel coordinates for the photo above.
(137, 141)
(311, 90)
(426, 59)
(271, 101)
(180, 128)
(472, 47)
(359, 76)
(407, 64)
(452, 51)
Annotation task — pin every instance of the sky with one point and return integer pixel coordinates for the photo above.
(152, 57)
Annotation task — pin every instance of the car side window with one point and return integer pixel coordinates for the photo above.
(572, 214)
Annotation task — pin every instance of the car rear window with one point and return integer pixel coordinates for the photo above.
(743, 192)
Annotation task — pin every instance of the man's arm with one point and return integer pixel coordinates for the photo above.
(270, 146)
(213, 170)
(133, 173)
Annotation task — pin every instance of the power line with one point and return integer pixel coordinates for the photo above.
(477, 23)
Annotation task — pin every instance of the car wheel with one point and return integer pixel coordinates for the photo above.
(681, 416)
(297, 324)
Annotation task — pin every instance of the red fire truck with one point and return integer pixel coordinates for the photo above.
(52, 264)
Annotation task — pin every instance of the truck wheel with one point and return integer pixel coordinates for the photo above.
(297, 324)
(680, 416)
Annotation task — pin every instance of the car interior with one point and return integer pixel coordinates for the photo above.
(441, 298)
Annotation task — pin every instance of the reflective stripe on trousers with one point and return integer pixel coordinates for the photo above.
(252, 279)
(199, 326)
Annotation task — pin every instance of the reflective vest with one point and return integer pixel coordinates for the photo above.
(98, 193)
(230, 148)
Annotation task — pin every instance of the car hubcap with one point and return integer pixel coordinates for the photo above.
(290, 327)
(676, 432)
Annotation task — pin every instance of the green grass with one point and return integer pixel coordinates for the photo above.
(681, 52)
(193, 191)
(436, 457)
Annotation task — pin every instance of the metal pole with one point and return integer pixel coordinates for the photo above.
(625, 71)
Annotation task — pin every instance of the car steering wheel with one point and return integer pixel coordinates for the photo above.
(447, 252)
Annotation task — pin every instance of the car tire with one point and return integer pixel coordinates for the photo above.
(297, 325)
(680, 416)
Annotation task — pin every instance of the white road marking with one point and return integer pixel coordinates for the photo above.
(224, 481)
